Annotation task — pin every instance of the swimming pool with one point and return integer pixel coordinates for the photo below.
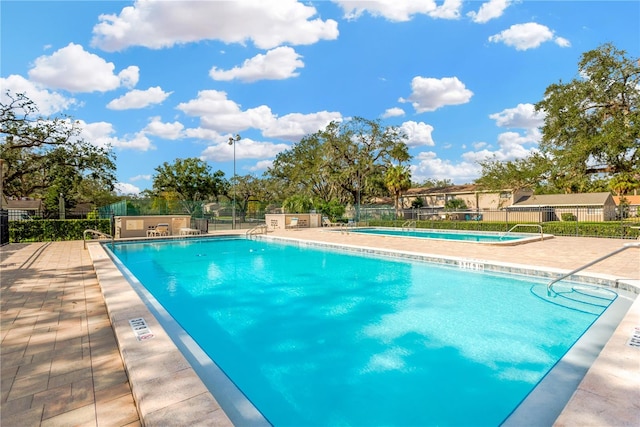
(454, 235)
(335, 323)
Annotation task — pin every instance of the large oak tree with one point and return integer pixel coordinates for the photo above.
(591, 130)
(592, 123)
(47, 156)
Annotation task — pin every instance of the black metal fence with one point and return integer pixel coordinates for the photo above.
(4, 226)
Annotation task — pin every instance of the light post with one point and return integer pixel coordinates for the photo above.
(232, 141)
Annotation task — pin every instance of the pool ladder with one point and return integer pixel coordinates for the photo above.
(344, 228)
(258, 229)
(409, 225)
(551, 292)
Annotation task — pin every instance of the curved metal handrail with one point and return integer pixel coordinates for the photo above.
(589, 264)
(258, 228)
(524, 225)
(97, 233)
(407, 224)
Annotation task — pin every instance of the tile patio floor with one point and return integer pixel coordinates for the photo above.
(59, 359)
(61, 364)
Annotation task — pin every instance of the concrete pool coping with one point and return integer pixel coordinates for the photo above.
(195, 404)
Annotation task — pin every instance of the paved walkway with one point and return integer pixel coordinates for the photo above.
(61, 365)
(60, 362)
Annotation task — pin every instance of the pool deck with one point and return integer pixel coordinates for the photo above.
(69, 357)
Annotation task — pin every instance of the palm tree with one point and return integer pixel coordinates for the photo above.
(397, 179)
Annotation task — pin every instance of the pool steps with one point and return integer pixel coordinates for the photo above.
(579, 297)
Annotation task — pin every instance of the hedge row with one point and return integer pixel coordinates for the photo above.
(558, 228)
(45, 230)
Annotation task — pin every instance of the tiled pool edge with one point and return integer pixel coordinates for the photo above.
(164, 385)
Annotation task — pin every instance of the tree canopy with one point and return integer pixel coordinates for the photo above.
(592, 124)
(190, 181)
(47, 156)
(591, 130)
(346, 161)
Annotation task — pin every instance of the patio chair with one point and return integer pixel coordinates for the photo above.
(162, 229)
(326, 222)
(293, 224)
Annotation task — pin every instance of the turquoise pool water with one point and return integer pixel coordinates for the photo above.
(318, 337)
(466, 236)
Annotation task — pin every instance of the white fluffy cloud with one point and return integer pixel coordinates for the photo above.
(292, 127)
(74, 69)
(101, 134)
(262, 165)
(393, 112)
(125, 189)
(220, 114)
(419, 134)
(489, 10)
(139, 99)
(524, 116)
(429, 94)
(48, 102)
(140, 178)
(277, 64)
(527, 36)
(400, 10)
(510, 146)
(170, 131)
(159, 24)
(430, 166)
(245, 149)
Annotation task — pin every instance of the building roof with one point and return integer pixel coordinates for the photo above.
(417, 191)
(631, 200)
(28, 204)
(573, 199)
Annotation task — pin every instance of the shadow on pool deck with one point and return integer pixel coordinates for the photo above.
(62, 363)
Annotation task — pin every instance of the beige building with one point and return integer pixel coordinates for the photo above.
(633, 205)
(558, 207)
(475, 198)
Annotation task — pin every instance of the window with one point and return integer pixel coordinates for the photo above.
(505, 195)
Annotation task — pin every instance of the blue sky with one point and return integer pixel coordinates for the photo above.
(160, 80)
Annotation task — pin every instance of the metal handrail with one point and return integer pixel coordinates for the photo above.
(525, 225)
(254, 230)
(100, 235)
(344, 228)
(407, 224)
(589, 264)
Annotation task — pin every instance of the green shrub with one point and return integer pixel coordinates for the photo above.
(45, 230)
(568, 216)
